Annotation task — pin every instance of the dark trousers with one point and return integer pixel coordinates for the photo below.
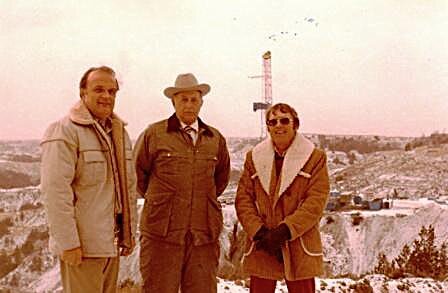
(167, 267)
(260, 285)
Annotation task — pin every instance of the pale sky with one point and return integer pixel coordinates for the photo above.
(361, 67)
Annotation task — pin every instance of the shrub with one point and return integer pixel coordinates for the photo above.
(361, 145)
(356, 219)
(36, 264)
(421, 259)
(36, 235)
(362, 287)
(13, 179)
(128, 283)
(8, 264)
(24, 158)
(4, 226)
(329, 220)
(28, 206)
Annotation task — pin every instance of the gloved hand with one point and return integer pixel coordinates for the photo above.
(261, 233)
(272, 241)
(279, 255)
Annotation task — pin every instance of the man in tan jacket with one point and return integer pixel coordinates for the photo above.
(182, 167)
(88, 187)
(280, 199)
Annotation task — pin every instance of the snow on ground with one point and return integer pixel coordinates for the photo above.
(355, 238)
(402, 207)
(355, 247)
(48, 282)
(378, 283)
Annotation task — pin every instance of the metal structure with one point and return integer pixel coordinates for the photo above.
(266, 92)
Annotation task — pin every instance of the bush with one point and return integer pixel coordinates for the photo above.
(362, 287)
(13, 179)
(128, 283)
(356, 219)
(4, 226)
(24, 158)
(422, 259)
(435, 139)
(8, 264)
(36, 264)
(27, 206)
(329, 220)
(36, 235)
(362, 145)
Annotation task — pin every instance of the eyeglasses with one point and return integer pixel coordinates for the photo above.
(283, 121)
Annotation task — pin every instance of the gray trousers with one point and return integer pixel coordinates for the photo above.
(93, 275)
(167, 267)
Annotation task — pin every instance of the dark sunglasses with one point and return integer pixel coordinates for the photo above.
(283, 121)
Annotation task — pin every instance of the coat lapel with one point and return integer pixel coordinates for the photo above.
(118, 141)
(263, 158)
(296, 157)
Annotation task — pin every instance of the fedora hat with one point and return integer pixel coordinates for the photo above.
(186, 82)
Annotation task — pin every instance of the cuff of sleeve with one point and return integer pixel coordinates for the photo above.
(254, 231)
(69, 245)
(292, 232)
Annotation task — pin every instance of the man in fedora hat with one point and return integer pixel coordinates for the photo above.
(182, 167)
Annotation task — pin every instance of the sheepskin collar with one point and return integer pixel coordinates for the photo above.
(81, 115)
(296, 157)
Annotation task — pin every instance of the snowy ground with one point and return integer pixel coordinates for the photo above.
(378, 283)
(402, 207)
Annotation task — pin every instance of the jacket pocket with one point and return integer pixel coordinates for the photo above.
(206, 164)
(214, 216)
(157, 213)
(172, 163)
(94, 169)
(311, 242)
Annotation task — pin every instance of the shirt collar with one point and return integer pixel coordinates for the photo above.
(173, 124)
(106, 124)
(194, 125)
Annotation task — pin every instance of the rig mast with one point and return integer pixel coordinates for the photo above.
(266, 90)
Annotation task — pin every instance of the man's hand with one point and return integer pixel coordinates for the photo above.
(272, 240)
(72, 257)
(261, 233)
(127, 251)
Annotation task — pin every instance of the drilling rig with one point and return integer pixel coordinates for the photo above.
(266, 99)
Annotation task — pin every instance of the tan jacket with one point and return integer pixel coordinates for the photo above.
(181, 181)
(77, 184)
(298, 200)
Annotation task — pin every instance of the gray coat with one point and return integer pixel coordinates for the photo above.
(77, 184)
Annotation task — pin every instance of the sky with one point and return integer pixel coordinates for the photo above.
(347, 67)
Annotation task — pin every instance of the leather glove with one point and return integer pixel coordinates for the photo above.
(273, 239)
(279, 255)
(261, 233)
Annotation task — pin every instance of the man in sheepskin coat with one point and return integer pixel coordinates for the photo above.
(280, 200)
